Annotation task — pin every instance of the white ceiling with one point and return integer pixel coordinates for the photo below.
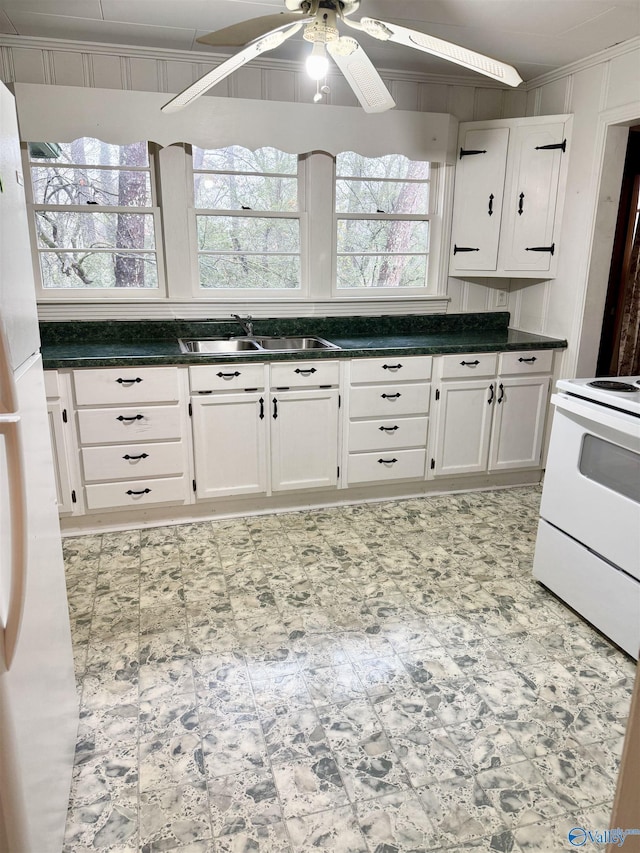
(536, 36)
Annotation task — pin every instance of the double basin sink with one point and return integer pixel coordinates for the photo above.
(252, 345)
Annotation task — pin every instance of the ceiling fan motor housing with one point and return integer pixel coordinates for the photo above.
(347, 7)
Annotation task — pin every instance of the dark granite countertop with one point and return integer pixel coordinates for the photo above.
(113, 344)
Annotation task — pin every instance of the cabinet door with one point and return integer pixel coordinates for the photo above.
(463, 422)
(529, 217)
(229, 443)
(479, 188)
(518, 426)
(304, 439)
(57, 419)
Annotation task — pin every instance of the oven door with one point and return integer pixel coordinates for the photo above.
(592, 480)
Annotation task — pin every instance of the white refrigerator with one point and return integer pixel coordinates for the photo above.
(38, 704)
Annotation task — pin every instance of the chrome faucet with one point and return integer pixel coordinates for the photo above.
(246, 324)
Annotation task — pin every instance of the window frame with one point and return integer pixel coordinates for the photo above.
(61, 294)
(254, 294)
(433, 252)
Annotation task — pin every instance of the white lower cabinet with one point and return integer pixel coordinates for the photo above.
(490, 424)
(304, 439)
(230, 444)
(58, 411)
(257, 442)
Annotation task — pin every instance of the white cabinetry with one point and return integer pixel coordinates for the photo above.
(130, 426)
(59, 413)
(254, 441)
(388, 419)
(229, 412)
(508, 198)
(493, 421)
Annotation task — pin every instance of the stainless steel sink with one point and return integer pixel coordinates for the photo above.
(246, 345)
(288, 344)
(223, 346)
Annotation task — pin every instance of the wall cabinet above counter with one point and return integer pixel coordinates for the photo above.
(508, 198)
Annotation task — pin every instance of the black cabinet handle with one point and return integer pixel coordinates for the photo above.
(492, 394)
(501, 397)
(142, 492)
(520, 204)
(528, 360)
(132, 418)
(275, 408)
(140, 456)
(466, 152)
(470, 363)
(551, 249)
(306, 372)
(457, 249)
(387, 461)
(228, 375)
(391, 396)
(129, 381)
(490, 211)
(391, 366)
(561, 145)
(261, 401)
(388, 429)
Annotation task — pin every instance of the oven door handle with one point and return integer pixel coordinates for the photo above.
(628, 425)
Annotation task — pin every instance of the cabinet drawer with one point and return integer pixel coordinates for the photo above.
(51, 384)
(146, 423)
(469, 366)
(533, 361)
(301, 374)
(124, 461)
(391, 369)
(126, 385)
(387, 433)
(373, 401)
(168, 490)
(395, 465)
(226, 377)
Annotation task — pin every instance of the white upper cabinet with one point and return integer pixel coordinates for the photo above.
(508, 198)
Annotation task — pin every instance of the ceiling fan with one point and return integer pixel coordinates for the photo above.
(320, 19)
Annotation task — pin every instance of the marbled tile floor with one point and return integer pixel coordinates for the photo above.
(384, 678)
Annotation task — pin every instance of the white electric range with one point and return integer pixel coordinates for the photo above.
(588, 544)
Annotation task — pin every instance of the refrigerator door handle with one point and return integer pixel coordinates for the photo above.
(10, 428)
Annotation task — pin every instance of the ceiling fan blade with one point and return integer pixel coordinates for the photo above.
(251, 51)
(361, 75)
(240, 34)
(444, 49)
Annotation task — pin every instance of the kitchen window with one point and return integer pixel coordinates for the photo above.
(247, 220)
(383, 212)
(95, 218)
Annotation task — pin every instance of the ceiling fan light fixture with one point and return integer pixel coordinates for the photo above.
(344, 46)
(375, 29)
(317, 63)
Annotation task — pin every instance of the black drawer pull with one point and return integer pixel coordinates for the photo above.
(528, 360)
(228, 375)
(470, 363)
(388, 429)
(492, 394)
(129, 381)
(501, 397)
(457, 249)
(391, 396)
(306, 372)
(391, 366)
(551, 249)
(387, 461)
(142, 492)
(140, 456)
(132, 418)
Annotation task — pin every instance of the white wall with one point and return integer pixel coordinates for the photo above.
(600, 91)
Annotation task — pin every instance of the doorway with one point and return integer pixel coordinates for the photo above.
(619, 352)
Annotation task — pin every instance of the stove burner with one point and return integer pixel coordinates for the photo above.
(610, 385)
